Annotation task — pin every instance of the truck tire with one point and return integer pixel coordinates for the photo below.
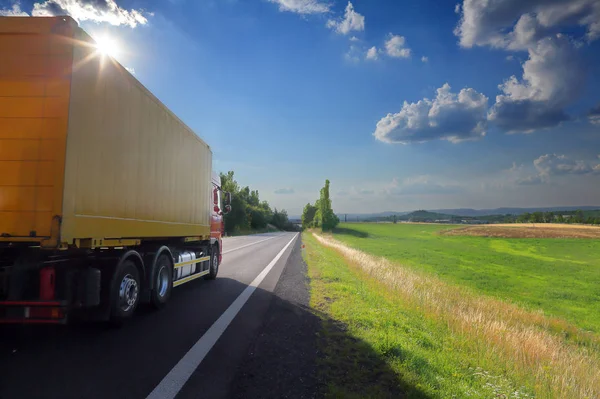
(162, 279)
(214, 264)
(125, 292)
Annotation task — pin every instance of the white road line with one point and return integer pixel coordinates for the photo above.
(248, 245)
(170, 386)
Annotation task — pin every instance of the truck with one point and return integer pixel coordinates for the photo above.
(107, 199)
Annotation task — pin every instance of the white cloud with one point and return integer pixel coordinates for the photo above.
(354, 54)
(285, 191)
(552, 77)
(449, 117)
(130, 70)
(302, 6)
(91, 10)
(354, 39)
(510, 57)
(594, 115)
(424, 59)
(457, 8)
(485, 22)
(352, 21)
(554, 165)
(551, 165)
(394, 47)
(372, 54)
(530, 180)
(14, 11)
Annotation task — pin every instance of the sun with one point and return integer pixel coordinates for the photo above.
(106, 45)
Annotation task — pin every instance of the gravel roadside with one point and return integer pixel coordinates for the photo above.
(281, 363)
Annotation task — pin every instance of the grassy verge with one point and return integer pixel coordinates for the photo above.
(376, 345)
(559, 276)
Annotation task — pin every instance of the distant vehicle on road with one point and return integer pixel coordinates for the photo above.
(107, 199)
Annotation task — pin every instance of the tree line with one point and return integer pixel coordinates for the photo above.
(248, 212)
(575, 217)
(320, 215)
(578, 217)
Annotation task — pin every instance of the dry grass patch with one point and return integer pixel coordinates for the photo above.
(527, 230)
(529, 342)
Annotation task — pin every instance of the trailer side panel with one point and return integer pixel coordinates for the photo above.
(133, 169)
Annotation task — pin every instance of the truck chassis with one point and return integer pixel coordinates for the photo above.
(51, 287)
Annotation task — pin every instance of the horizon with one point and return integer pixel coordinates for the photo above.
(414, 105)
(562, 208)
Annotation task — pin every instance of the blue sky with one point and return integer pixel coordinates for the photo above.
(402, 105)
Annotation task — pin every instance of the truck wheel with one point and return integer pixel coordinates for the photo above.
(125, 292)
(163, 282)
(214, 264)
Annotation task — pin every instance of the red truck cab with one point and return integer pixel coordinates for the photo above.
(222, 204)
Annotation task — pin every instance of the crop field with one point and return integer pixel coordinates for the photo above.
(455, 315)
(530, 230)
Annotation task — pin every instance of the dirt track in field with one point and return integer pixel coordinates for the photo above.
(527, 230)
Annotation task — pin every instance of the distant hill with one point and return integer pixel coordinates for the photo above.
(426, 216)
(510, 211)
(369, 216)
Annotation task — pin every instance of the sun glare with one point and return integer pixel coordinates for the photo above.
(107, 46)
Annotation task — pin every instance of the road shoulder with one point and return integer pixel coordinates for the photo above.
(281, 362)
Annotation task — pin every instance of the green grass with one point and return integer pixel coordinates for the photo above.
(559, 276)
(374, 345)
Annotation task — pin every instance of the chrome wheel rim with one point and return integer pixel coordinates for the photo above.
(162, 282)
(128, 293)
(215, 264)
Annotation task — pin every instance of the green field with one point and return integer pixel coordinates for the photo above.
(374, 346)
(409, 310)
(559, 276)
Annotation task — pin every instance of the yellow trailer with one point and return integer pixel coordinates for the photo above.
(107, 199)
(87, 154)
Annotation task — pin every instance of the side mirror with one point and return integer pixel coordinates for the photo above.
(228, 199)
(227, 209)
(216, 209)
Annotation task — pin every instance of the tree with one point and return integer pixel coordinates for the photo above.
(560, 218)
(280, 220)
(317, 218)
(308, 216)
(248, 211)
(589, 220)
(258, 217)
(253, 199)
(537, 217)
(237, 219)
(524, 218)
(329, 220)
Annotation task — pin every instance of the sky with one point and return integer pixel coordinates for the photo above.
(402, 105)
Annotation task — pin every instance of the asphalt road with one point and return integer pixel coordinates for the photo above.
(201, 345)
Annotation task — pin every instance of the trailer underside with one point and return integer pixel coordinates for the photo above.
(51, 287)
